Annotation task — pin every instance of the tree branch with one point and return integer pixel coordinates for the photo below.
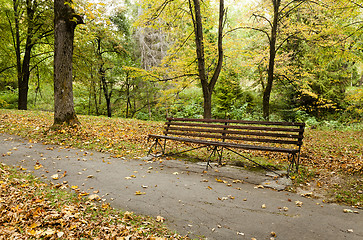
(266, 19)
(173, 78)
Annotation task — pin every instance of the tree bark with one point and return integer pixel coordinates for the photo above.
(270, 77)
(24, 83)
(207, 86)
(23, 66)
(65, 22)
(33, 25)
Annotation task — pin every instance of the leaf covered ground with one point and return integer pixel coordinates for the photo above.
(332, 161)
(30, 209)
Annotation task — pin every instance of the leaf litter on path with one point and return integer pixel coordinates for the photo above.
(33, 209)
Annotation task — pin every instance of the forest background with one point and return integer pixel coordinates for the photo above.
(139, 59)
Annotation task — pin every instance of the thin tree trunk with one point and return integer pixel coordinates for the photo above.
(207, 86)
(270, 77)
(106, 93)
(65, 22)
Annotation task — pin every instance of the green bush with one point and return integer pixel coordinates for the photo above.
(9, 98)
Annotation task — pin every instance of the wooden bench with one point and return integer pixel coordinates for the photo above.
(218, 134)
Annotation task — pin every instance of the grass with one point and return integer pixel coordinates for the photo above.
(327, 154)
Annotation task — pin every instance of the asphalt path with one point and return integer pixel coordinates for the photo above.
(222, 203)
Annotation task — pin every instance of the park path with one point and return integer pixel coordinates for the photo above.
(225, 204)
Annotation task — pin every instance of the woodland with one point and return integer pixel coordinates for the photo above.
(248, 59)
(110, 65)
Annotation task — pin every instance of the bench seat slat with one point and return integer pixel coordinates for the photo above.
(226, 144)
(249, 139)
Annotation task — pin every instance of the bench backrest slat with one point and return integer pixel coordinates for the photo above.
(236, 130)
(236, 121)
(277, 129)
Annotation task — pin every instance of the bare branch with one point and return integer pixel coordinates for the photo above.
(290, 36)
(290, 10)
(4, 69)
(263, 17)
(172, 78)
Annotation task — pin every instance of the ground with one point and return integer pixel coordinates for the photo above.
(221, 203)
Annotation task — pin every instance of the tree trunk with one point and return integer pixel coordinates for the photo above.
(65, 21)
(207, 104)
(207, 86)
(270, 77)
(105, 92)
(24, 80)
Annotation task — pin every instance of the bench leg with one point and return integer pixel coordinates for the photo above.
(210, 156)
(213, 153)
(293, 163)
(155, 146)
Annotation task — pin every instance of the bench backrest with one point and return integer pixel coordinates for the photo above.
(237, 130)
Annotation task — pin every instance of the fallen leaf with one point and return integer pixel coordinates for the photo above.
(49, 232)
(38, 166)
(160, 219)
(139, 193)
(34, 225)
(94, 197)
(298, 203)
(55, 176)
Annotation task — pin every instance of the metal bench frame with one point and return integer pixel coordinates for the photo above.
(249, 135)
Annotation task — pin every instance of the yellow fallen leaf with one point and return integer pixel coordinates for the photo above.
(83, 194)
(105, 205)
(38, 166)
(139, 193)
(34, 225)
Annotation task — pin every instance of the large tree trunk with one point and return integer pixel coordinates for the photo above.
(270, 77)
(65, 21)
